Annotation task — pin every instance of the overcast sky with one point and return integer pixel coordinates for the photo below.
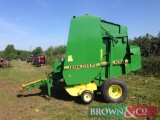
(45, 23)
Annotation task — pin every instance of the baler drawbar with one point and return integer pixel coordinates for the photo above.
(45, 81)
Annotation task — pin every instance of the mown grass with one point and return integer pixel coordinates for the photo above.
(35, 106)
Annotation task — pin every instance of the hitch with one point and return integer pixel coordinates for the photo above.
(45, 81)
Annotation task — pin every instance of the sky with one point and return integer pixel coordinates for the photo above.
(28, 24)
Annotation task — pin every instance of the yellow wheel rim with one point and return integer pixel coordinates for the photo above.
(115, 91)
(87, 97)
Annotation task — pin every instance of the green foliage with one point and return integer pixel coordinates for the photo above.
(150, 51)
(38, 50)
(149, 44)
(150, 66)
(23, 55)
(10, 52)
(158, 36)
(1, 54)
(55, 54)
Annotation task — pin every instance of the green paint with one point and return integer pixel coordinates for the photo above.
(92, 40)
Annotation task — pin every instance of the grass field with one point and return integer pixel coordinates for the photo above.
(35, 106)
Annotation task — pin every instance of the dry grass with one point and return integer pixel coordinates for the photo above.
(34, 105)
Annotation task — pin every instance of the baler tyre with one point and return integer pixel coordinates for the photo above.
(87, 96)
(114, 90)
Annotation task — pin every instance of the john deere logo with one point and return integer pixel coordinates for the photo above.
(123, 111)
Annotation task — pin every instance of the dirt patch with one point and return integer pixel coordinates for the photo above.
(13, 107)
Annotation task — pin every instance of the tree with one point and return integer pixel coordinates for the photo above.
(158, 36)
(149, 44)
(10, 52)
(55, 53)
(38, 50)
(24, 55)
(1, 54)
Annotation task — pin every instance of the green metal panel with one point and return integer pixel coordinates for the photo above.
(58, 67)
(117, 39)
(83, 47)
(135, 57)
(92, 44)
(117, 53)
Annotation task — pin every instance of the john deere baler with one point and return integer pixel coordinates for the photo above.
(97, 53)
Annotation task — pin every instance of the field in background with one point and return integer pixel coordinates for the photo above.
(34, 104)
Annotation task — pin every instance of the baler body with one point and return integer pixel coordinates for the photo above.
(97, 50)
